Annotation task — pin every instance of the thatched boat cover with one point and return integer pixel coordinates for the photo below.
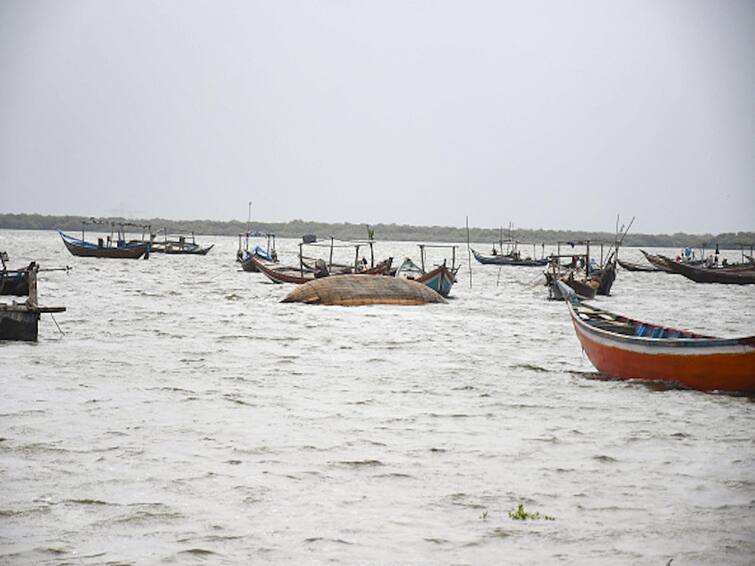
(353, 290)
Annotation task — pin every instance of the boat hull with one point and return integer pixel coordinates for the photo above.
(14, 282)
(19, 324)
(507, 260)
(740, 275)
(80, 248)
(441, 280)
(714, 367)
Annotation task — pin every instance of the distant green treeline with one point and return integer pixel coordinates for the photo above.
(396, 232)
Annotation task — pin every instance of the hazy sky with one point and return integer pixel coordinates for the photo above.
(543, 113)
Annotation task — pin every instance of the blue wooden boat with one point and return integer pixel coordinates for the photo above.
(440, 279)
(119, 248)
(513, 259)
(245, 254)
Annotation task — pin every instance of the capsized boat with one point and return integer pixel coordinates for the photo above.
(354, 290)
(625, 348)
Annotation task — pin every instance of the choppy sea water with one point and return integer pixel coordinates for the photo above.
(185, 415)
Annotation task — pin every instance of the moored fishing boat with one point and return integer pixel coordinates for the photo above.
(638, 267)
(113, 245)
(512, 260)
(120, 249)
(440, 279)
(625, 348)
(731, 275)
(296, 276)
(245, 252)
(179, 245)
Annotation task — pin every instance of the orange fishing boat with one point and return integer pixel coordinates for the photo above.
(624, 348)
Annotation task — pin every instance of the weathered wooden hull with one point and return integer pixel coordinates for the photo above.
(507, 260)
(18, 324)
(81, 248)
(666, 354)
(744, 275)
(181, 250)
(631, 266)
(583, 289)
(441, 280)
(291, 276)
(244, 259)
(14, 282)
(354, 290)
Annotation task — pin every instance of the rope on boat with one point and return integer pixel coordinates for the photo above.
(56, 324)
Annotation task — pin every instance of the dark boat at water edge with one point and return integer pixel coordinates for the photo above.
(113, 245)
(731, 275)
(20, 321)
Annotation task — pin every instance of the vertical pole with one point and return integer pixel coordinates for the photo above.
(469, 254)
(372, 254)
(33, 286)
(587, 259)
(422, 256)
(356, 257)
(330, 267)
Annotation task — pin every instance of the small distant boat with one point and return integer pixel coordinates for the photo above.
(624, 348)
(111, 249)
(179, 246)
(440, 279)
(632, 266)
(246, 251)
(741, 274)
(513, 260)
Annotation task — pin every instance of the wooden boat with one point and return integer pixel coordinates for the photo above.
(20, 321)
(585, 288)
(440, 279)
(353, 290)
(119, 249)
(660, 262)
(14, 281)
(733, 275)
(245, 251)
(624, 348)
(583, 274)
(631, 266)
(299, 277)
(179, 246)
(508, 259)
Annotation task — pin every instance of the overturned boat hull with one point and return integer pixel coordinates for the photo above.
(355, 290)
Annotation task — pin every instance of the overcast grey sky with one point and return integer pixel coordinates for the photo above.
(543, 113)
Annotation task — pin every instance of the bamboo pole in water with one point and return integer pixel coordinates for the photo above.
(469, 255)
